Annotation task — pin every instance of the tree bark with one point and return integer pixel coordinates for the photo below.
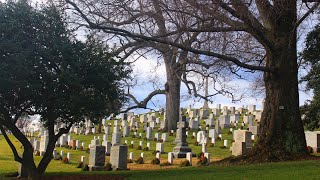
(282, 133)
(172, 89)
(28, 162)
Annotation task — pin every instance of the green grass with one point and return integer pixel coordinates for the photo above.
(265, 171)
(283, 170)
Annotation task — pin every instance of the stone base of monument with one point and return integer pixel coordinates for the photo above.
(96, 168)
(181, 151)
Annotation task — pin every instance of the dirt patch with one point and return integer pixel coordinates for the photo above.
(176, 162)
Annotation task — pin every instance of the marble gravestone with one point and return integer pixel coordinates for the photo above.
(44, 143)
(143, 118)
(118, 157)
(97, 158)
(313, 140)
(149, 133)
(242, 142)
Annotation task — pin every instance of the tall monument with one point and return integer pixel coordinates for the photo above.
(206, 93)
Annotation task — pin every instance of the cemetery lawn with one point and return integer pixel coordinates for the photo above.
(283, 170)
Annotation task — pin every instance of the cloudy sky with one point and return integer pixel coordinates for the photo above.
(149, 70)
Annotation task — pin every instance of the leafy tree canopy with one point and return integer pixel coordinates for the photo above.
(311, 56)
(45, 70)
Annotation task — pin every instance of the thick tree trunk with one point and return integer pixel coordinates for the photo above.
(172, 88)
(281, 125)
(28, 162)
(282, 133)
(47, 157)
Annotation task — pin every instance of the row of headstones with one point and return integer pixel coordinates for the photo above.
(55, 155)
(64, 139)
(203, 113)
(29, 133)
(224, 121)
(118, 157)
(108, 145)
(171, 157)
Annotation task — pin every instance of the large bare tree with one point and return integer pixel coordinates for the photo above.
(272, 23)
(162, 20)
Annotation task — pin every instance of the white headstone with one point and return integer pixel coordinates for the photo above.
(225, 143)
(149, 133)
(160, 147)
(170, 157)
(189, 158)
(131, 155)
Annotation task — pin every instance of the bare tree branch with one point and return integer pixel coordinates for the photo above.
(311, 10)
(143, 104)
(165, 41)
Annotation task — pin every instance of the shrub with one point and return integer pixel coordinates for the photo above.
(139, 161)
(131, 146)
(222, 147)
(155, 139)
(58, 157)
(129, 161)
(196, 143)
(81, 148)
(309, 149)
(146, 149)
(85, 168)
(88, 150)
(80, 165)
(65, 160)
(166, 164)
(184, 163)
(202, 161)
(108, 166)
(155, 161)
(155, 152)
(199, 155)
(139, 148)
